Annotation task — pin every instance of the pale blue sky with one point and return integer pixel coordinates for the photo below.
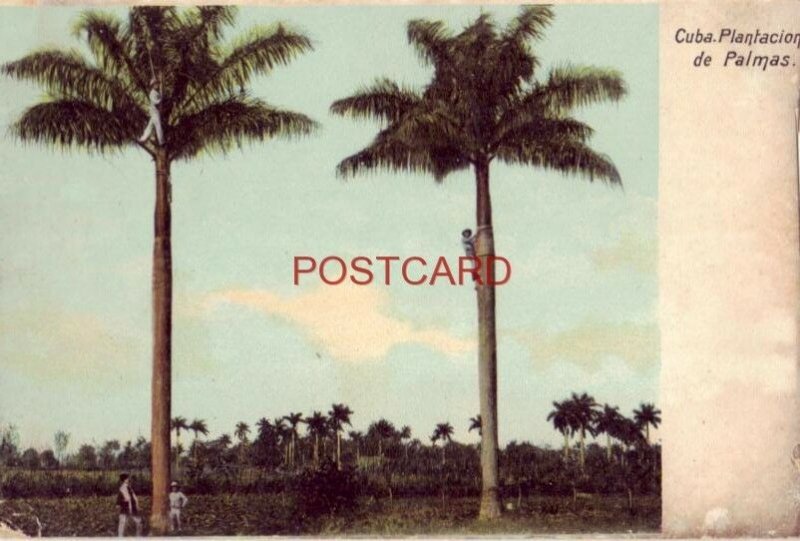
(578, 315)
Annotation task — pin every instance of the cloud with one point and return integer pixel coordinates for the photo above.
(52, 344)
(632, 251)
(590, 344)
(350, 323)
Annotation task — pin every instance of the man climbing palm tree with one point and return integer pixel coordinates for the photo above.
(155, 115)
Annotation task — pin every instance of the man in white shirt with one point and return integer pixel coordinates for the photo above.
(177, 501)
(155, 116)
(128, 506)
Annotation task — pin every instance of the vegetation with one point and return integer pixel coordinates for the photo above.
(485, 102)
(384, 462)
(262, 514)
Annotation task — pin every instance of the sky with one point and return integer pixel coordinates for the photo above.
(579, 313)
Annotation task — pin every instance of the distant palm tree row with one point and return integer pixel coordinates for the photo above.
(581, 414)
(578, 416)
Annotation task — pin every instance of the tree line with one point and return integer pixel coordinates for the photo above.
(295, 441)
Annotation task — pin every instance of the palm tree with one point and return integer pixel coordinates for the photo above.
(482, 104)
(224, 441)
(562, 420)
(177, 424)
(647, 415)
(284, 434)
(444, 432)
(294, 420)
(356, 437)
(607, 422)
(197, 426)
(629, 433)
(101, 104)
(264, 427)
(339, 416)
(241, 432)
(475, 424)
(381, 430)
(584, 409)
(404, 434)
(317, 425)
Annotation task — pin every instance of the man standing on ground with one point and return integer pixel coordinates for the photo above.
(177, 501)
(128, 506)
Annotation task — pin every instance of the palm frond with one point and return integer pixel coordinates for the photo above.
(429, 38)
(68, 75)
(109, 45)
(391, 153)
(73, 122)
(574, 86)
(383, 100)
(213, 19)
(528, 129)
(564, 154)
(530, 23)
(231, 122)
(261, 50)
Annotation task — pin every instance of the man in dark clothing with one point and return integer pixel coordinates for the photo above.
(128, 506)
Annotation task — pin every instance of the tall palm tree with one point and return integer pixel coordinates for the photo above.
(645, 416)
(177, 424)
(317, 425)
(339, 416)
(294, 420)
(101, 104)
(562, 419)
(607, 422)
(444, 432)
(584, 409)
(482, 104)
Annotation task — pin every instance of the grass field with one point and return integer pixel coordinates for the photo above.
(237, 514)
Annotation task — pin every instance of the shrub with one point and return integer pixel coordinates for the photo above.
(327, 491)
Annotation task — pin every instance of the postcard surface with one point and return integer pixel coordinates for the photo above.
(389, 270)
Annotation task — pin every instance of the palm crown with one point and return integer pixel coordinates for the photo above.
(101, 103)
(483, 102)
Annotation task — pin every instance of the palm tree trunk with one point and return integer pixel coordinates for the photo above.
(338, 450)
(608, 446)
(487, 348)
(582, 448)
(162, 346)
(566, 446)
(177, 453)
(316, 450)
